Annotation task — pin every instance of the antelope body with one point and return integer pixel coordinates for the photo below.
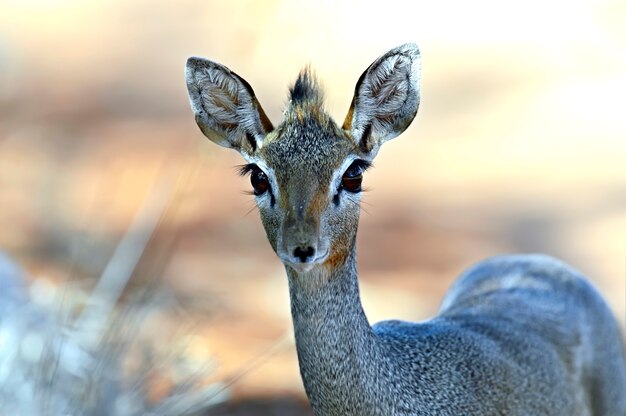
(516, 335)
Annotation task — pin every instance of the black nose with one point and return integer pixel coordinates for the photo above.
(303, 253)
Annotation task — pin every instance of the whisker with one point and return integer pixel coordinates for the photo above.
(357, 204)
(254, 206)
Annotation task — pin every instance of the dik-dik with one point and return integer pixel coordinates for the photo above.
(516, 335)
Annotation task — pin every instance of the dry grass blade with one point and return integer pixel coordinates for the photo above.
(105, 361)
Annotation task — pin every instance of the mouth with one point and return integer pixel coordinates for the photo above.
(308, 265)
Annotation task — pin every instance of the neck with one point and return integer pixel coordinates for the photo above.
(334, 340)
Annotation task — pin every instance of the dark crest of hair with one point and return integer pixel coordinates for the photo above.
(306, 89)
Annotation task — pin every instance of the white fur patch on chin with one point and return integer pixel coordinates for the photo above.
(302, 267)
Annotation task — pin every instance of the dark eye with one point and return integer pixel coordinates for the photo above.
(259, 181)
(353, 176)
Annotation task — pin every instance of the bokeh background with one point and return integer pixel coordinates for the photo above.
(519, 146)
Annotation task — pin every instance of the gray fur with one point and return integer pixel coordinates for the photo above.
(546, 346)
(516, 335)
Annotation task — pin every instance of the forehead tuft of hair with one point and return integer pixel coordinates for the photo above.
(306, 90)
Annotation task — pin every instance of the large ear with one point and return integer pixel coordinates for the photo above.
(386, 99)
(225, 107)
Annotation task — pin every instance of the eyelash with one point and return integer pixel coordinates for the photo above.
(243, 170)
(360, 163)
(253, 169)
(358, 167)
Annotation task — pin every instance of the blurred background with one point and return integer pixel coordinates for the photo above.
(519, 146)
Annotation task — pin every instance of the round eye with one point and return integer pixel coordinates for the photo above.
(352, 178)
(259, 181)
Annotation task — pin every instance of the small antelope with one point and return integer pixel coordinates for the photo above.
(516, 335)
